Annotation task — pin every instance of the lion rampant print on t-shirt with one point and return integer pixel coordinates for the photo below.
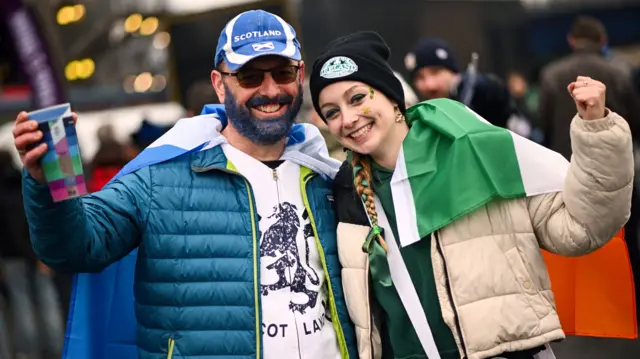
(296, 320)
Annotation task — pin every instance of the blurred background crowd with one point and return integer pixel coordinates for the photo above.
(131, 69)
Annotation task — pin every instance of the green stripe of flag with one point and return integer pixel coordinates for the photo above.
(453, 162)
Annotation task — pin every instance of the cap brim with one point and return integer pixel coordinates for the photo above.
(248, 54)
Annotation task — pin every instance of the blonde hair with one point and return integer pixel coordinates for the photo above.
(362, 182)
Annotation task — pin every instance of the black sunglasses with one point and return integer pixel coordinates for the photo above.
(252, 78)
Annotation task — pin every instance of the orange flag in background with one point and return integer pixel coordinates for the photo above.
(595, 294)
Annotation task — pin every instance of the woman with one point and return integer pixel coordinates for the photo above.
(447, 256)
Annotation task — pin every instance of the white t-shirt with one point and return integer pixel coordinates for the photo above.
(296, 320)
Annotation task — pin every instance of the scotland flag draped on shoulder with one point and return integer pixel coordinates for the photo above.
(101, 321)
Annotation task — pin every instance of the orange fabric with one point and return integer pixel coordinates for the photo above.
(595, 293)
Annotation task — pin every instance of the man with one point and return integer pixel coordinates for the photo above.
(435, 74)
(235, 232)
(146, 133)
(586, 38)
(35, 319)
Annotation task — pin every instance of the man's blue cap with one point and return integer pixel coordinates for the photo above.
(253, 34)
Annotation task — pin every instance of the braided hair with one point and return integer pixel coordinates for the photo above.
(362, 180)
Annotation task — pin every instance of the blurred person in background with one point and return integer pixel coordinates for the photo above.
(232, 218)
(5, 346)
(525, 103)
(410, 97)
(146, 134)
(33, 300)
(12, 245)
(199, 94)
(635, 79)
(108, 160)
(586, 38)
(435, 73)
(526, 99)
(616, 59)
(6, 351)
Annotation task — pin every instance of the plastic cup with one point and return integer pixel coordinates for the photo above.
(62, 164)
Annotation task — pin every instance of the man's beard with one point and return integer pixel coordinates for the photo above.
(262, 131)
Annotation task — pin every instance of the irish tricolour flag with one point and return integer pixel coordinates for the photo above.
(453, 162)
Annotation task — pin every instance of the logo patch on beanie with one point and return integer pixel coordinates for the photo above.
(338, 66)
(410, 61)
(442, 54)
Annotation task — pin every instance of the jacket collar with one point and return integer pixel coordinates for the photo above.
(305, 146)
(209, 158)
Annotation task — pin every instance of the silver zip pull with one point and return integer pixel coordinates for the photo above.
(275, 175)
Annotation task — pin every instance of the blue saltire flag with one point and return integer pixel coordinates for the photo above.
(101, 322)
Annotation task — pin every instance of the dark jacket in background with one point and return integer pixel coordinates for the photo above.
(557, 108)
(14, 230)
(491, 98)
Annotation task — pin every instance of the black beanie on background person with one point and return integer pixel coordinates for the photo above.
(361, 56)
(430, 52)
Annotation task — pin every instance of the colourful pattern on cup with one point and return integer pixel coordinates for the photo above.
(62, 163)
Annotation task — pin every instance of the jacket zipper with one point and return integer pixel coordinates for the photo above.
(170, 346)
(450, 293)
(334, 312)
(256, 275)
(295, 320)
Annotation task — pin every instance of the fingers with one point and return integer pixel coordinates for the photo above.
(587, 95)
(585, 98)
(22, 116)
(27, 139)
(585, 81)
(586, 89)
(23, 126)
(30, 159)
